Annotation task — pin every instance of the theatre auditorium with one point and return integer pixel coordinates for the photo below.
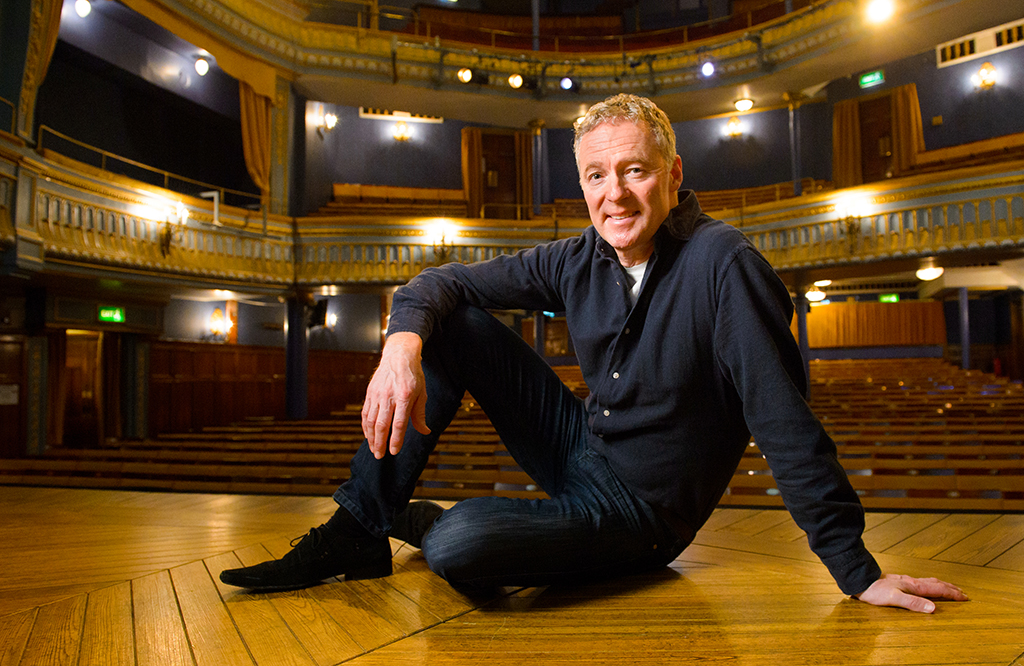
(207, 206)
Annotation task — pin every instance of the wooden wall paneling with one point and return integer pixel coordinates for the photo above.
(865, 324)
(204, 405)
(12, 378)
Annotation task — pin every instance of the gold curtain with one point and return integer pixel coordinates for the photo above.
(256, 135)
(472, 169)
(846, 158)
(908, 129)
(524, 172)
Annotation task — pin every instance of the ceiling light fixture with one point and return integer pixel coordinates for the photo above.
(929, 271)
(82, 8)
(202, 66)
(814, 295)
(745, 104)
(822, 283)
(880, 11)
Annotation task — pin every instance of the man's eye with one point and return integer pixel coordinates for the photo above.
(594, 176)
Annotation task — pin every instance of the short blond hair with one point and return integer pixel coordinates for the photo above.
(639, 110)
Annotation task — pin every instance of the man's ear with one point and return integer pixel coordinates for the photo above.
(676, 173)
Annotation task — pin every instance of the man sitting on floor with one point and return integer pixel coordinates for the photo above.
(682, 333)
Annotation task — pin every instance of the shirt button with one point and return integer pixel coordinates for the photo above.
(607, 413)
(627, 331)
(615, 375)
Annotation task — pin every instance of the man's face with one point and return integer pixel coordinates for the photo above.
(629, 187)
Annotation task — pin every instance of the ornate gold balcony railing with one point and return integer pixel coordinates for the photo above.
(911, 217)
(84, 220)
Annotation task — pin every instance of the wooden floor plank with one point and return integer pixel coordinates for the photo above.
(758, 523)
(160, 638)
(212, 634)
(107, 638)
(1013, 559)
(323, 638)
(14, 632)
(941, 535)
(901, 527)
(988, 543)
(57, 633)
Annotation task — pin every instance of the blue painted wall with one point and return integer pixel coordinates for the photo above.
(357, 328)
(363, 150)
(967, 114)
(714, 161)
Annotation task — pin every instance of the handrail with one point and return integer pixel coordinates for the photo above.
(14, 112)
(167, 175)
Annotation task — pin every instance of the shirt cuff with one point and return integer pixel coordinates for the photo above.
(854, 570)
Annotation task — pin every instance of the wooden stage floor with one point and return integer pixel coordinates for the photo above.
(113, 577)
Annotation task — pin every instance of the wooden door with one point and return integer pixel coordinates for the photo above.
(499, 178)
(84, 390)
(12, 399)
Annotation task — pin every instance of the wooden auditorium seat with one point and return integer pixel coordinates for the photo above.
(911, 433)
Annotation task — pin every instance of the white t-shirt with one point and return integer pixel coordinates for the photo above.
(636, 274)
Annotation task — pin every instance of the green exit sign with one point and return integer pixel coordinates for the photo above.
(871, 79)
(111, 314)
(888, 298)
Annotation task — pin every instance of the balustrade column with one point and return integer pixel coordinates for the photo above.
(794, 140)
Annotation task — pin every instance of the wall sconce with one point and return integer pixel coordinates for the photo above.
(745, 104)
(985, 77)
(734, 128)
(929, 271)
(401, 132)
(325, 122)
(173, 228)
(219, 324)
(441, 235)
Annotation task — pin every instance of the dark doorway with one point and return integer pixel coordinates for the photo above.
(499, 177)
(876, 138)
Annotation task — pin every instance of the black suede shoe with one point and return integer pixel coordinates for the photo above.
(413, 524)
(316, 556)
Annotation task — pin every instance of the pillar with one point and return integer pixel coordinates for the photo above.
(296, 371)
(802, 308)
(965, 330)
(540, 164)
(794, 141)
(539, 332)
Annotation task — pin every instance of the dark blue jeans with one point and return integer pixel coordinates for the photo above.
(592, 527)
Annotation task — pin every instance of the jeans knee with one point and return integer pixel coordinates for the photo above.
(454, 550)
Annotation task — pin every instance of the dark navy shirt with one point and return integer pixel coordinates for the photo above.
(681, 379)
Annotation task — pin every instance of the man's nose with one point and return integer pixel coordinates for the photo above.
(617, 189)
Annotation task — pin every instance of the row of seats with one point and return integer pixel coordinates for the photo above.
(912, 434)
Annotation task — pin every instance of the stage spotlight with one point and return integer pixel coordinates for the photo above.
(467, 75)
(707, 69)
(515, 81)
(82, 8)
(569, 84)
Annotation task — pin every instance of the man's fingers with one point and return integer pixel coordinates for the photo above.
(398, 427)
(419, 414)
(911, 602)
(936, 589)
